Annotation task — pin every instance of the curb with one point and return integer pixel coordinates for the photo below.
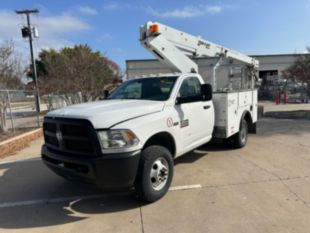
(12, 145)
(289, 114)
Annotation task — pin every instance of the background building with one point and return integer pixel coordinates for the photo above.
(270, 72)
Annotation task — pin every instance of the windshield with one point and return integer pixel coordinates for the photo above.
(157, 88)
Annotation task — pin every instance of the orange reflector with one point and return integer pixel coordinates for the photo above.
(130, 135)
(154, 28)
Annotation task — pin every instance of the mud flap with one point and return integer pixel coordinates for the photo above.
(253, 128)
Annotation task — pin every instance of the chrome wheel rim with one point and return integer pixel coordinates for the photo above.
(159, 173)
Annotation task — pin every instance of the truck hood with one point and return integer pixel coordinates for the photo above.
(104, 114)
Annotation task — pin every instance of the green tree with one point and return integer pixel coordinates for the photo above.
(76, 70)
(300, 70)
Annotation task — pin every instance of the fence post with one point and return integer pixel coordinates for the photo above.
(11, 115)
(38, 109)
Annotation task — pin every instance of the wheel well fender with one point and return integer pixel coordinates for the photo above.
(252, 128)
(247, 117)
(164, 139)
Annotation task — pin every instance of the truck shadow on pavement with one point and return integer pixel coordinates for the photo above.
(190, 157)
(202, 151)
(32, 196)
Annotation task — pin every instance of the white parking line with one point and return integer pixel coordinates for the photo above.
(19, 161)
(73, 198)
(185, 187)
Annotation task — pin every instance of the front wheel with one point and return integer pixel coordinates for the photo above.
(240, 139)
(155, 173)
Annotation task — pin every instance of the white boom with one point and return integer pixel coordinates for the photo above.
(176, 49)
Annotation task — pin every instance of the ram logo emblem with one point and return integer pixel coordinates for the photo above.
(60, 139)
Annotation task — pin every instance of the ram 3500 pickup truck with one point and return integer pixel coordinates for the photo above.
(132, 138)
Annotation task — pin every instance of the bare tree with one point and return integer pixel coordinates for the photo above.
(300, 70)
(75, 71)
(11, 72)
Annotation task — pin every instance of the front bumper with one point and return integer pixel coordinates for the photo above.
(115, 171)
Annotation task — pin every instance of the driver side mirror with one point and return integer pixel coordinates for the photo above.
(206, 92)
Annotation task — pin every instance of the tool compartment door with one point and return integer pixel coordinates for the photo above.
(229, 108)
(226, 114)
(232, 126)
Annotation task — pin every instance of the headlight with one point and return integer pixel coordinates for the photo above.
(115, 139)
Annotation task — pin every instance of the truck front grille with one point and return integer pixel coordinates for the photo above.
(71, 137)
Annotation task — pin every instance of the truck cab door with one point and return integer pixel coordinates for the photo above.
(196, 116)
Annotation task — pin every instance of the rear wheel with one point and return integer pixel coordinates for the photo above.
(240, 139)
(155, 173)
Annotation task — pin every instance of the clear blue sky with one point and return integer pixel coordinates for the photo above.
(249, 26)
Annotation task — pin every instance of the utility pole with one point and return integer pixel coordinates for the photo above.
(27, 32)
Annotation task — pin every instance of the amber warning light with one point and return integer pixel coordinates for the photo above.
(154, 28)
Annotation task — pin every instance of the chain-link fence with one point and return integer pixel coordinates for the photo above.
(18, 111)
(18, 108)
(296, 91)
(55, 101)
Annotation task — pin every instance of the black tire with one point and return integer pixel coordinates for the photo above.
(240, 139)
(149, 188)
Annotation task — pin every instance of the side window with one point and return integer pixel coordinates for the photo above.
(190, 87)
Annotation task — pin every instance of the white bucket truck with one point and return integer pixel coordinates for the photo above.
(131, 138)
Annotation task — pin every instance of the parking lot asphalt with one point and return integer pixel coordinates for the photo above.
(264, 187)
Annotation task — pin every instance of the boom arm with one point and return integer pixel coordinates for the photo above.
(175, 48)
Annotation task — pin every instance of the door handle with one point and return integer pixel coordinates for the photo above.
(206, 107)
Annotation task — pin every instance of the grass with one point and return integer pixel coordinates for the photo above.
(11, 134)
(22, 104)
